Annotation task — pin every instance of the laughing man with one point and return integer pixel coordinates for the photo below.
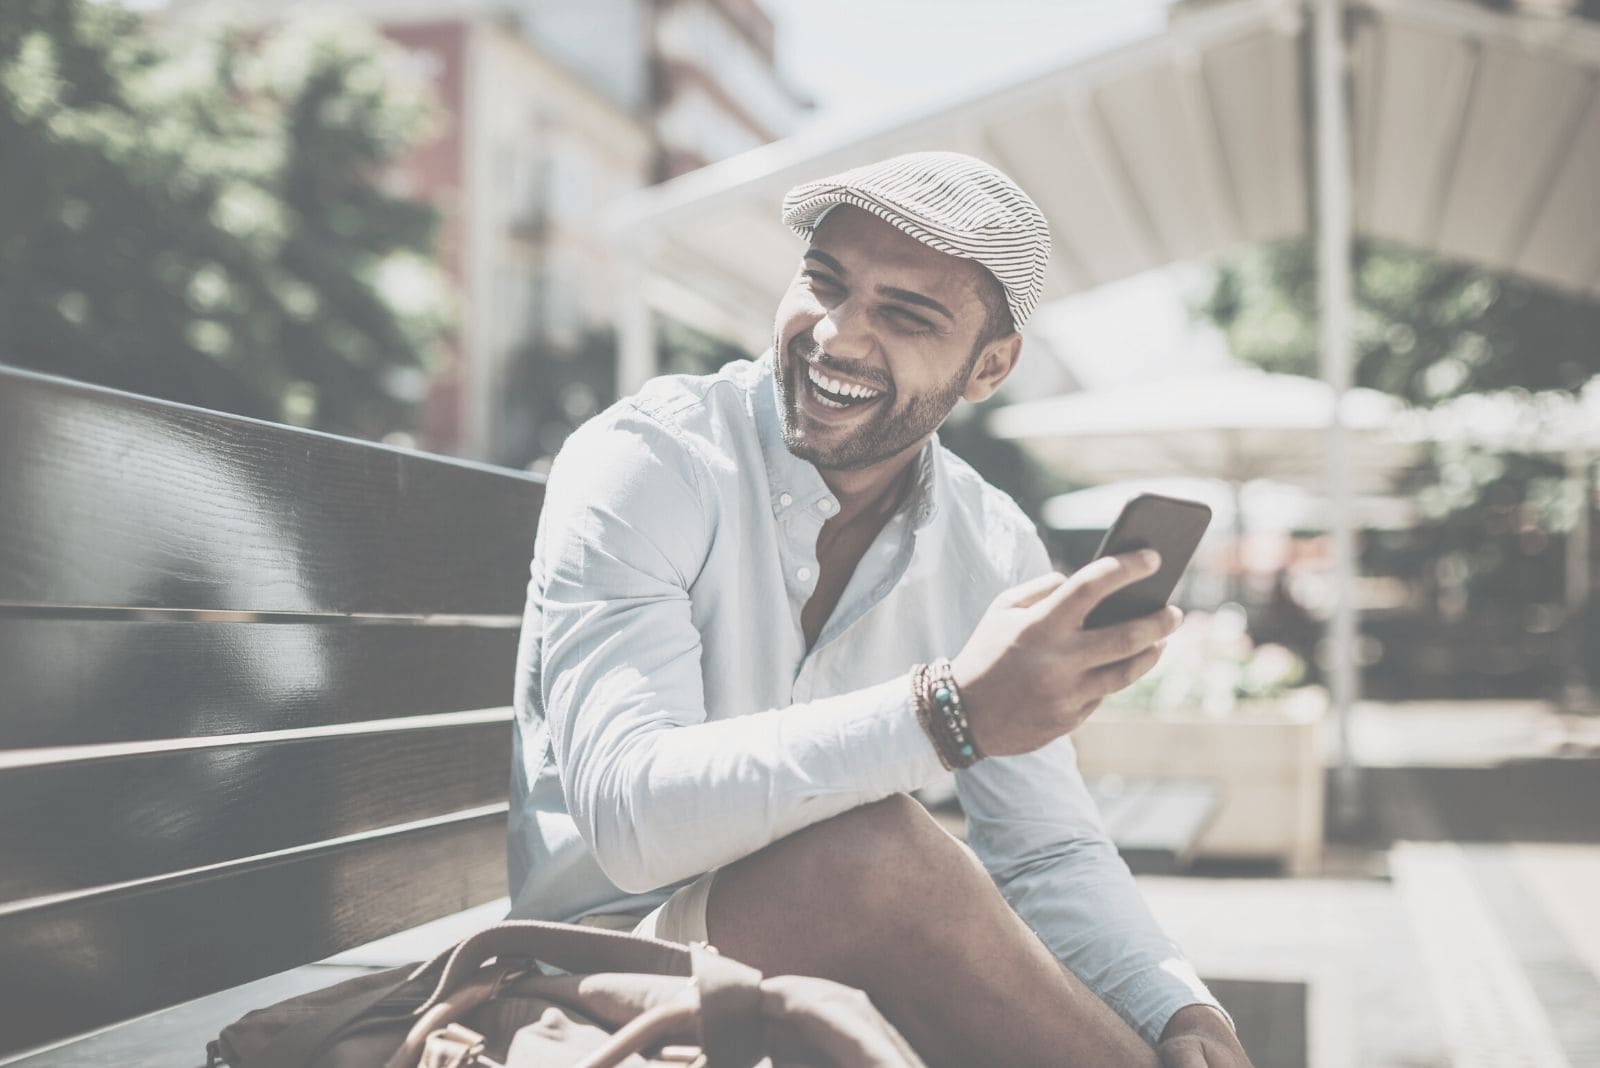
(732, 665)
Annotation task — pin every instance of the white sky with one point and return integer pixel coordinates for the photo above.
(899, 52)
(860, 57)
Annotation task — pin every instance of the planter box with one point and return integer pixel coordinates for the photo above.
(1265, 757)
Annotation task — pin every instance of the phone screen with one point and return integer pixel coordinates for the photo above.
(1170, 525)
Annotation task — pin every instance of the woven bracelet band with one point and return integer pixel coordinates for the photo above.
(940, 712)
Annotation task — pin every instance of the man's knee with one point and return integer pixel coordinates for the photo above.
(886, 853)
(836, 898)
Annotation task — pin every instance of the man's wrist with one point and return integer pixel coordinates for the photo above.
(940, 710)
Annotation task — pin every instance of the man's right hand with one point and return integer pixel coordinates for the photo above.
(1031, 672)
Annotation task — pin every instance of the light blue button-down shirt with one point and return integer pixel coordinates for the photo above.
(671, 720)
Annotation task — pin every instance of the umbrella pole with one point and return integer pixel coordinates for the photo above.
(1334, 303)
(1577, 695)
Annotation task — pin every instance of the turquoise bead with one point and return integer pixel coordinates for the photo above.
(966, 750)
(942, 695)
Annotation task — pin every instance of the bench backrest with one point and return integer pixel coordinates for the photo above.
(253, 697)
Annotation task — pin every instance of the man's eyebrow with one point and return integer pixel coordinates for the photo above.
(911, 297)
(826, 260)
(906, 295)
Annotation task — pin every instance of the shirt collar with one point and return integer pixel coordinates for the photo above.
(799, 481)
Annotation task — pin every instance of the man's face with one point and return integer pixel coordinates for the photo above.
(889, 326)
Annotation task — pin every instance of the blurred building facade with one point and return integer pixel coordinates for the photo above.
(551, 110)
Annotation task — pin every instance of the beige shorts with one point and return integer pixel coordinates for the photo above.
(680, 918)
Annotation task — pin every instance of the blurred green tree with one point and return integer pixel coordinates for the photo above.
(1425, 329)
(208, 224)
(1003, 463)
(550, 390)
(683, 350)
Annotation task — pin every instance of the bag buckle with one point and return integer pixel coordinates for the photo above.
(455, 1046)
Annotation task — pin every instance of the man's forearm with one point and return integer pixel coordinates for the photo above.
(664, 803)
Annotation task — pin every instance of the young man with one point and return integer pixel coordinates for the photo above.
(722, 700)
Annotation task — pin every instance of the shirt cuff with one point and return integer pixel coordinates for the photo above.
(1151, 999)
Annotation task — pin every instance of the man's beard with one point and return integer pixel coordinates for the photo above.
(883, 434)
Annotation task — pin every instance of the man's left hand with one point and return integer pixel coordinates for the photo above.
(1199, 1036)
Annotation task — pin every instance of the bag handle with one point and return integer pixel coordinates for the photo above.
(730, 995)
(729, 992)
(731, 1031)
(724, 999)
(645, 1030)
(568, 947)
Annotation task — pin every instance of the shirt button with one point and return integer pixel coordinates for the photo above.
(826, 506)
(804, 574)
(785, 499)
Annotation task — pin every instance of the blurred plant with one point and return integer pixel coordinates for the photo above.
(1210, 666)
(551, 389)
(683, 350)
(1436, 332)
(1425, 329)
(1003, 463)
(206, 224)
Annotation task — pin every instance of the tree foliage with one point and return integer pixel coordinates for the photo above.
(205, 223)
(1425, 329)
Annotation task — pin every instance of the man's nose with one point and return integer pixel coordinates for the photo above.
(844, 332)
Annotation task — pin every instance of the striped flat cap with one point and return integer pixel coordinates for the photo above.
(950, 202)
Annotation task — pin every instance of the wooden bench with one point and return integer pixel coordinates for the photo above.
(254, 690)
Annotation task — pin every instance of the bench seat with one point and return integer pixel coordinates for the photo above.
(176, 1037)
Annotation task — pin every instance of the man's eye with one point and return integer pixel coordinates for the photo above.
(908, 321)
(820, 281)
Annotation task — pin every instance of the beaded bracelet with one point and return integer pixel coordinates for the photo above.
(924, 710)
(940, 712)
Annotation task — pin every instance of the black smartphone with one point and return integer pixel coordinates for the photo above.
(1172, 527)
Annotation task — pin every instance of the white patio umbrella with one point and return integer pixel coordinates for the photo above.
(1236, 425)
(1239, 513)
(1262, 505)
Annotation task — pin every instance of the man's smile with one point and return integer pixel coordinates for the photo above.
(837, 389)
(826, 395)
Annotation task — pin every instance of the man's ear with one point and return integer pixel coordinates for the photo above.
(993, 367)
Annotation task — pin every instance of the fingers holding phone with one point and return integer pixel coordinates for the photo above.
(1047, 652)
(1032, 671)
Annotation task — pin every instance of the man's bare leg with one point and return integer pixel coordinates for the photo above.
(884, 899)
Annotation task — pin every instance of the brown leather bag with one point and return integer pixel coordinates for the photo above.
(624, 1001)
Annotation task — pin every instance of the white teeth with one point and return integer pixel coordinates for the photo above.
(843, 389)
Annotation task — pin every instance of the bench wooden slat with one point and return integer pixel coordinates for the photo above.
(86, 963)
(112, 500)
(90, 823)
(1272, 1017)
(89, 681)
